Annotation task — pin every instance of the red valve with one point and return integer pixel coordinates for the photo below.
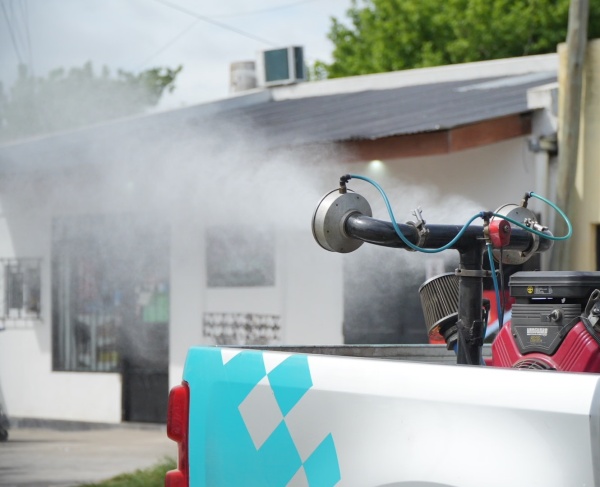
(499, 233)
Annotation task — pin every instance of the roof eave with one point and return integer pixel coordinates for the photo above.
(437, 142)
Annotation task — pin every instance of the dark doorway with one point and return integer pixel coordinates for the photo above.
(381, 297)
(111, 305)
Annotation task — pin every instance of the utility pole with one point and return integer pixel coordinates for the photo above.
(569, 121)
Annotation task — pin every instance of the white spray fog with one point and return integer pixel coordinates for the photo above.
(133, 182)
(194, 169)
(382, 302)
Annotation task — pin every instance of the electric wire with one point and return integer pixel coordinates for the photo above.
(25, 16)
(15, 13)
(12, 33)
(168, 44)
(210, 20)
(198, 19)
(262, 10)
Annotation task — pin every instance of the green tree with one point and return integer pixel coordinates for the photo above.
(70, 99)
(390, 35)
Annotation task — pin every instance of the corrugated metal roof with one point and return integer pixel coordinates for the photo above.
(365, 115)
(384, 113)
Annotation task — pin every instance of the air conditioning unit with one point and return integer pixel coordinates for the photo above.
(281, 66)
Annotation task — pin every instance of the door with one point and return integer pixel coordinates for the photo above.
(145, 347)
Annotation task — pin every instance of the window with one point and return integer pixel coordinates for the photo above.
(20, 292)
(240, 257)
(85, 310)
(110, 291)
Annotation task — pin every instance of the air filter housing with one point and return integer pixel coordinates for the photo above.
(439, 300)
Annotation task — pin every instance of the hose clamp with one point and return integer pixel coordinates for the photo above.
(419, 225)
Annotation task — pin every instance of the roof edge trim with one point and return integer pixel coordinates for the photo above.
(420, 76)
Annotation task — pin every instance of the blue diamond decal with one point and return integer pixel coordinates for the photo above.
(279, 457)
(322, 467)
(290, 380)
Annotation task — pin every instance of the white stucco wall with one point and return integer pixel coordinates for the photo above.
(307, 294)
(313, 295)
(188, 275)
(585, 200)
(28, 387)
(484, 178)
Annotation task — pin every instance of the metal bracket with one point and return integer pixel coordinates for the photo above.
(592, 309)
(472, 273)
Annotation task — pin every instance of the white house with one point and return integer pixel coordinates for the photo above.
(123, 244)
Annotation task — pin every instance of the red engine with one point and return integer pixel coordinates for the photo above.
(553, 323)
(578, 352)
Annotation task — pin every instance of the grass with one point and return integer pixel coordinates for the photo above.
(148, 477)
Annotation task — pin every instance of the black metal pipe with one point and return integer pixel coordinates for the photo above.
(382, 233)
(470, 305)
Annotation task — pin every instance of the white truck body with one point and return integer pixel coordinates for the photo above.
(274, 419)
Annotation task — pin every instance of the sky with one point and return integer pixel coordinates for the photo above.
(203, 36)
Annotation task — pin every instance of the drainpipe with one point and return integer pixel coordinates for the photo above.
(569, 121)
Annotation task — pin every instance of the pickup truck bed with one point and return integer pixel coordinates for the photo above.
(266, 418)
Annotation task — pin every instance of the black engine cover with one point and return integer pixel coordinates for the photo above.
(548, 305)
(542, 327)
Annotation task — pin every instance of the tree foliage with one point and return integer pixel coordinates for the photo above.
(391, 35)
(77, 97)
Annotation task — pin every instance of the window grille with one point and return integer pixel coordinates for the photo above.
(20, 292)
(86, 315)
(242, 328)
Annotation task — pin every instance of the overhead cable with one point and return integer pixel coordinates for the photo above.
(215, 22)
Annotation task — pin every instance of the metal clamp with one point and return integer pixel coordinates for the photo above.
(592, 309)
(473, 273)
(419, 225)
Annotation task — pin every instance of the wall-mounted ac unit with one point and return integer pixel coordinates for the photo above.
(281, 66)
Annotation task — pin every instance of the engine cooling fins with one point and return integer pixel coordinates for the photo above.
(532, 364)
